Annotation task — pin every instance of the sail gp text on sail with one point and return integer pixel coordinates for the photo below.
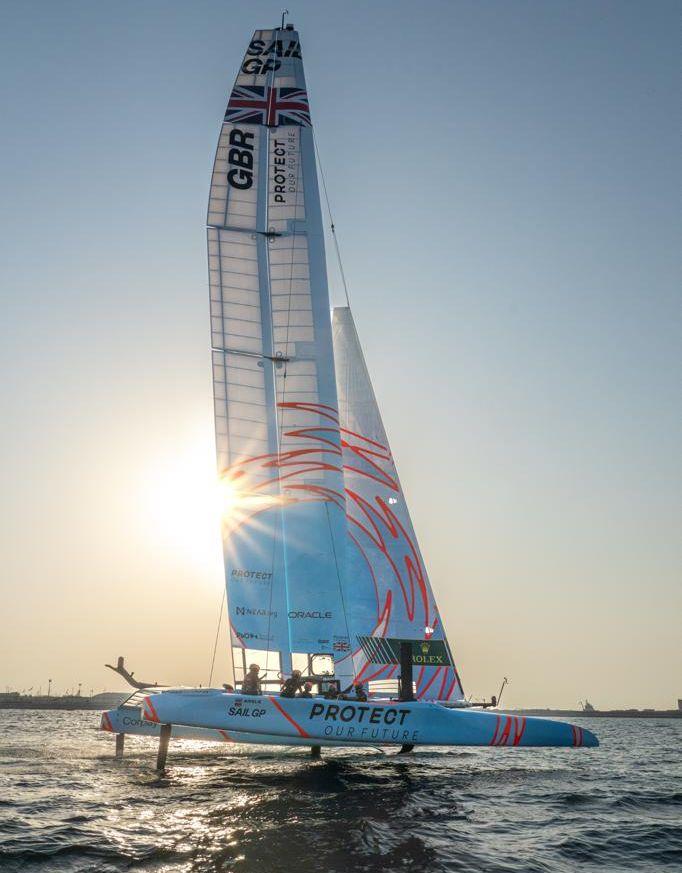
(263, 57)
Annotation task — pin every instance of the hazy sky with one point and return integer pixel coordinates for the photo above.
(505, 178)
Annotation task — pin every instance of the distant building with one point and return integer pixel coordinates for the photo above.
(679, 704)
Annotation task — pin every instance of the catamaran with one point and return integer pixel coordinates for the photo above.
(323, 571)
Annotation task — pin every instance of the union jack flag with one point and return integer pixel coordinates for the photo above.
(257, 104)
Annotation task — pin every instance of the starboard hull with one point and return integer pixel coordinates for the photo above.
(351, 723)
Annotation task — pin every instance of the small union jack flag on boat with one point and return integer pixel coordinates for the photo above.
(258, 104)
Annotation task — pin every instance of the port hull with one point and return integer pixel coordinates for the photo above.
(299, 721)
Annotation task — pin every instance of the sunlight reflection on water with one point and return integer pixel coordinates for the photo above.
(67, 805)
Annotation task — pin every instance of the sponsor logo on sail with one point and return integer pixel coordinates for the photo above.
(426, 657)
(247, 635)
(251, 575)
(264, 57)
(247, 610)
(284, 162)
(309, 613)
(240, 159)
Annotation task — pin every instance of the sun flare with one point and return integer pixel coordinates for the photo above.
(229, 499)
(182, 502)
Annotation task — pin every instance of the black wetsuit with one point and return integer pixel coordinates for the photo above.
(290, 687)
(251, 684)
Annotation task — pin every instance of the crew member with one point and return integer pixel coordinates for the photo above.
(360, 693)
(307, 690)
(228, 688)
(251, 683)
(291, 685)
(331, 693)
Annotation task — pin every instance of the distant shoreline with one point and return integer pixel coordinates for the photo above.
(107, 700)
(111, 700)
(601, 713)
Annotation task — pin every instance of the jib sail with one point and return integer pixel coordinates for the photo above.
(388, 593)
(277, 432)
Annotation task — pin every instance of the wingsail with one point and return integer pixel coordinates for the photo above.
(320, 554)
(388, 591)
(276, 418)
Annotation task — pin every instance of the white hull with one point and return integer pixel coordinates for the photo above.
(129, 720)
(299, 721)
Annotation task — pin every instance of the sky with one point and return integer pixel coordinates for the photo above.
(505, 181)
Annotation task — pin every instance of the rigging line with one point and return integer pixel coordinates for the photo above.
(223, 598)
(331, 220)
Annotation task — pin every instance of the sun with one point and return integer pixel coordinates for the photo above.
(238, 501)
(229, 498)
(186, 508)
(181, 503)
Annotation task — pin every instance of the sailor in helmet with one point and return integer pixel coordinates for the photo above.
(251, 683)
(359, 692)
(291, 685)
(307, 690)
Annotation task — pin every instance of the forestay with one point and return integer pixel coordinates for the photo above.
(277, 432)
(388, 590)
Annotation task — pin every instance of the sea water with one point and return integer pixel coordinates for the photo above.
(67, 805)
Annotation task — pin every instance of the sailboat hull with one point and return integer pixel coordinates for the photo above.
(129, 720)
(352, 723)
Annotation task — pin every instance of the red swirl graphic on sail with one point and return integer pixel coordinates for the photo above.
(391, 558)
